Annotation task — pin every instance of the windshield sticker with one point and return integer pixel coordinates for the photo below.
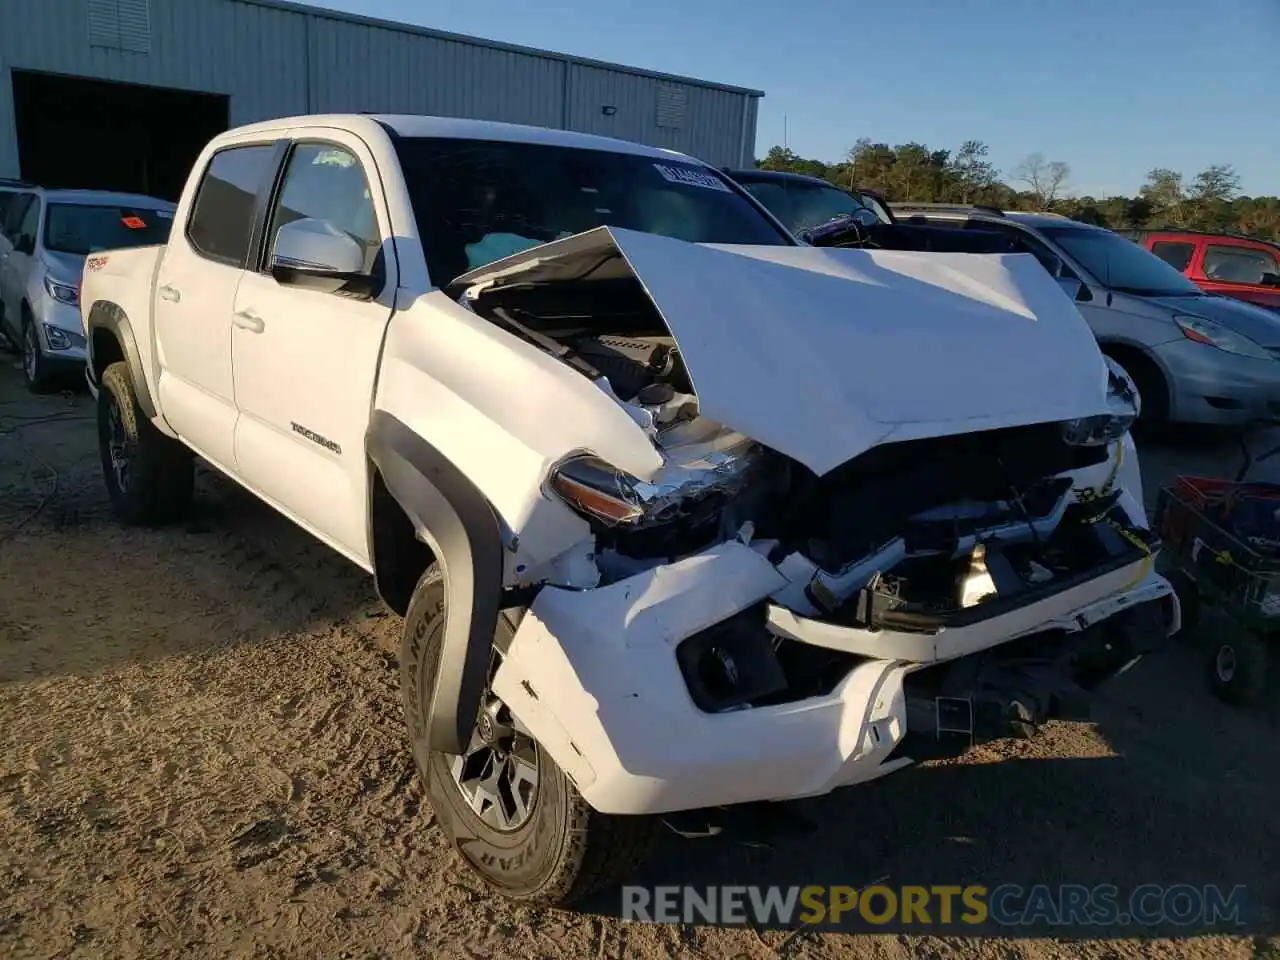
(134, 223)
(690, 177)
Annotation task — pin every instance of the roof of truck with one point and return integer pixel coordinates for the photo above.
(457, 128)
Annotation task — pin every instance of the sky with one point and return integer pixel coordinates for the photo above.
(1112, 87)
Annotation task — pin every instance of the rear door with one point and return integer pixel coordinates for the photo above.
(8, 234)
(195, 291)
(21, 251)
(305, 360)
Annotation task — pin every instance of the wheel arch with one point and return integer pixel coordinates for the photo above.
(422, 509)
(111, 339)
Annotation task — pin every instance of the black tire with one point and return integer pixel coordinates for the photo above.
(35, 368)
(1238, 666)
(155, 480)
(564, 850)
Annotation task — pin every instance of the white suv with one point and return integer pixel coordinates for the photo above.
(46, 236)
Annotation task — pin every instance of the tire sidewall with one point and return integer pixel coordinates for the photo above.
(1249, 678)
(526, 862)
(37, 377)
(117, 391)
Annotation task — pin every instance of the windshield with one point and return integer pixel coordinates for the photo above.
(1121, 264)
(477, 201)
(800, 205)
(81, 229)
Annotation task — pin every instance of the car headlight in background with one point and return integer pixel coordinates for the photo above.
(1216, 335)
(1125, 403)
(63, 293)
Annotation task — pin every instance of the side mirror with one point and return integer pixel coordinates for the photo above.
(1075, 289)
(1270, 280)
(316, 255)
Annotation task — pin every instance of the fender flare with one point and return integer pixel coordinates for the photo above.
(109, 316)
(456, 521)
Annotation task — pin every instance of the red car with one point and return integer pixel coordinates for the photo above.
(1239, 267)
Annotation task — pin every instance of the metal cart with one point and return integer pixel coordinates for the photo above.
(1221, 539)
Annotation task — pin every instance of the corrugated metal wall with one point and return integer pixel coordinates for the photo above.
(276, 60)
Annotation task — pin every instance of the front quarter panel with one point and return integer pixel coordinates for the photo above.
(116, 295)
(503, 412)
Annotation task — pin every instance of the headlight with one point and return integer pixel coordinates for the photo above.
(61, 291)
(1216, 335)
(610, 496)
(1125, 403)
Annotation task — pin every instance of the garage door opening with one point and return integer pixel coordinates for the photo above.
(98, 135)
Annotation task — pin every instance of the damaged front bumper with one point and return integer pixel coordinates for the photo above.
(628, 686)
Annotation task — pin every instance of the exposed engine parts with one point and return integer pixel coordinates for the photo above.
(912, 538)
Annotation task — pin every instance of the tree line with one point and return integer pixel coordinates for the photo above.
(1210, 200)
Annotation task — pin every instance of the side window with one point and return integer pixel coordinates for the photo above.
(1024, 242)
(1237, 264)
(1048, 259)
(13, 216)
(221, 221)
(30, 224)
(1176, 255)
(326, 182)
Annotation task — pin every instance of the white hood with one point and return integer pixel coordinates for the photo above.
(822, 354)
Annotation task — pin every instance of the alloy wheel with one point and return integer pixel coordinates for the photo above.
(498, 772)
(118, 446)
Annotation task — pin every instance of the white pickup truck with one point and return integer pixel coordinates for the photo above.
(679, 512)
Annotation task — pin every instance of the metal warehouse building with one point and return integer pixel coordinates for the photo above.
(122, 94)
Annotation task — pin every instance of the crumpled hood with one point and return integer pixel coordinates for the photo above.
(822, 354)
(1258, 324)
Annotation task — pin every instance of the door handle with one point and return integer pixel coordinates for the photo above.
(170, 293)
(248, 320)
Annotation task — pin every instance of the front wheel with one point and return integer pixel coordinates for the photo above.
(510, 811)
(35, 368)
(1238, 667)
(149, 477)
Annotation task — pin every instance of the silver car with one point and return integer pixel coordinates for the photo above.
(44, 239)
(1195, 357)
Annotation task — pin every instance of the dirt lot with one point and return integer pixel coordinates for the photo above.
(201, 754)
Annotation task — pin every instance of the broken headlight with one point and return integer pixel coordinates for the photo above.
(1125, 404)
(607, 495)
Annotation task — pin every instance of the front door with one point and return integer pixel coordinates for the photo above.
(306, 361)
(195, 290)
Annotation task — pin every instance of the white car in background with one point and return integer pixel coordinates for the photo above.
(44, 240)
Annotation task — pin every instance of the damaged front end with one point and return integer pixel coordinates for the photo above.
(767, 616)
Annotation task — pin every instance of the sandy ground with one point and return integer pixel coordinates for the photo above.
(202, 755)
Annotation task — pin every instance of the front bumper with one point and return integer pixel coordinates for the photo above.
(66, 319)
(1211, 386)
(594, 677)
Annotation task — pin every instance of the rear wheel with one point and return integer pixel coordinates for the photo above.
(1238, 666)
(150, 477)
(512, 814)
